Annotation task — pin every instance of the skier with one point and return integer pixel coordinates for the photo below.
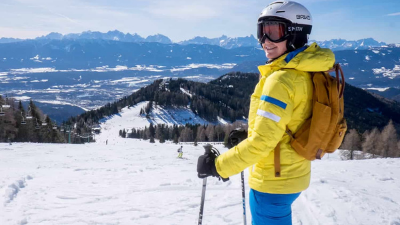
(282, 100)
(107, 142)
(180, 151)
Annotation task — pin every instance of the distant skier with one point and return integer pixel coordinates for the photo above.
(107, 142)
(180, 151)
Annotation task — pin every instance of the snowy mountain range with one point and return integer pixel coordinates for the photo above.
(92, 68)
(223, 41)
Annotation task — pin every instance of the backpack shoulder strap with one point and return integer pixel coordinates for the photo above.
(340, 80)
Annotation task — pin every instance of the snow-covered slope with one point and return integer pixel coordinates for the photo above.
(130, 118)
(130, 181)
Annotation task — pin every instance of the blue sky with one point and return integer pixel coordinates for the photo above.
(185, 19)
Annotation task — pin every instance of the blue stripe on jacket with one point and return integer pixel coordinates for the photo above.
(274, 101)
(292, 54)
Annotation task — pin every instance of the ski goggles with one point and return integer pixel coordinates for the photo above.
(274, 31)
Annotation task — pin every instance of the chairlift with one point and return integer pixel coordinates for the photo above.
(37, 127)
(7, 105)
(29, 114)
(1, 112)
(44, 123)
(54, 124)
(23, 122)
(62, 129)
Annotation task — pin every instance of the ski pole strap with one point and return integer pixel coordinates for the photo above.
(277, 160)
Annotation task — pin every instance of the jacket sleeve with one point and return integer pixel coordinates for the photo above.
(273, 113)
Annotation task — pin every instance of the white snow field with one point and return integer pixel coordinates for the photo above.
(135, 182)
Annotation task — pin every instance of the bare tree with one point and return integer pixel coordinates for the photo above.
(371, 141)
(352, 142)
(201, 136)
(389, 140)
(210, 132)
(186, 135)
(219, 129)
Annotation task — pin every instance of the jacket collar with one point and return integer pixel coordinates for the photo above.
(308, 58)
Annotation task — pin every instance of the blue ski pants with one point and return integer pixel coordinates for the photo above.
(271, 209)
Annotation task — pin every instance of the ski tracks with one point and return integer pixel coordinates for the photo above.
(11, 193)
(333, 198)
(14, 188)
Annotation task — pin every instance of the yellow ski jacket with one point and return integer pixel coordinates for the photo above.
(282, 97)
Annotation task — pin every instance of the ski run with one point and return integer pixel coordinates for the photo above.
(129, 181)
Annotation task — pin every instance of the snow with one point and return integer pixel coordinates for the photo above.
(33, 70)
(222, 121)
(57, 102)
(119, 68)
(379, 89)
(186, 92)
(159, 115)
(130, 181)
(390, 73)
(22, 98)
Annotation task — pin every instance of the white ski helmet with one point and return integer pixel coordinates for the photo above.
(285, 20)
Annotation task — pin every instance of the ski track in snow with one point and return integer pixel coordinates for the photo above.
(135, 182)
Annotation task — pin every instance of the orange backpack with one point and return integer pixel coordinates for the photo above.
(324, 131)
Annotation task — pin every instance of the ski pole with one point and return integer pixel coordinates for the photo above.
(203, 194)
(243, 199)
(207, 149)
(243, 192)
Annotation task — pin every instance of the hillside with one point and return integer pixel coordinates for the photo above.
(26, 124)
(228, 98)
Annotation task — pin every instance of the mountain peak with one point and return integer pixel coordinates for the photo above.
(158, 38)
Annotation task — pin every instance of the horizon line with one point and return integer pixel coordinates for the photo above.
(133, 34)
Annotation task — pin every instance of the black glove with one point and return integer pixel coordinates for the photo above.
(206, 165)
(236, 136)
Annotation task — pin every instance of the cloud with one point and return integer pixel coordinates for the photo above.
(394, 14)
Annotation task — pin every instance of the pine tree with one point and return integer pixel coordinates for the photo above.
(145, 133)
(162, 140)
(152, 131)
